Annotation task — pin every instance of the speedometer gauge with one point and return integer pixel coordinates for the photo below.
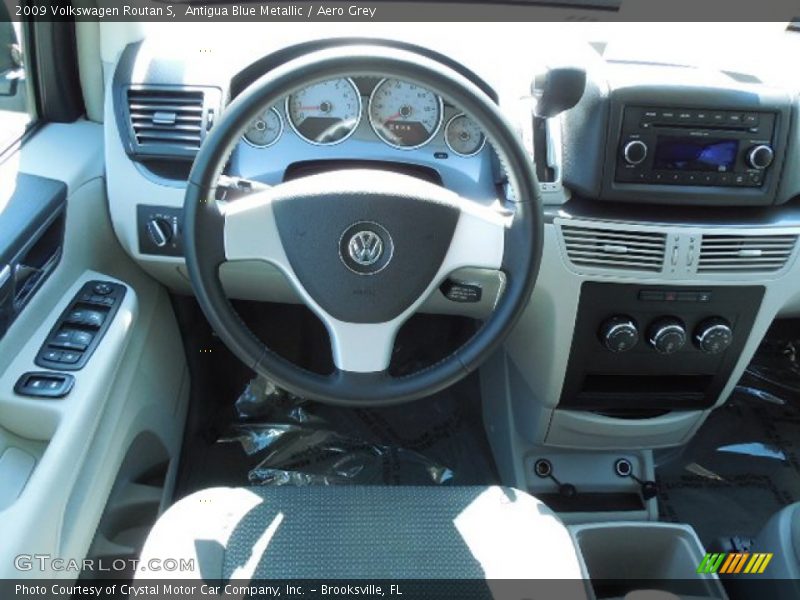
(403, 114)
(463, 136)
(326, 112)
(265, 129)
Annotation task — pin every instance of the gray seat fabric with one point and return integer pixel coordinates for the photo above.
(363, 532)
(781, 536)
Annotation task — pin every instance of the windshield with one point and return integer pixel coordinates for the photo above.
(759, 49)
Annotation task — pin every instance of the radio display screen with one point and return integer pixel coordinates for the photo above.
(695, 154)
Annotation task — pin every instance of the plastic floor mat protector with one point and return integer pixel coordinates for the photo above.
(299, 442)
(744, 463)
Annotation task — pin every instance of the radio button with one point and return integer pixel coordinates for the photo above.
(750, 119)
(760, 157)
(735, 118)
(634, 152)
(718, 117)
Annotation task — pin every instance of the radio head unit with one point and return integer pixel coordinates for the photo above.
(695, 147)
(679, 136)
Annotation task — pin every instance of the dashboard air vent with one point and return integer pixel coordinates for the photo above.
(614, 248)
(169, 122)
(724, 253)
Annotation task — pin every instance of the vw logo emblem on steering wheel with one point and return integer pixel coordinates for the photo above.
(365, 247)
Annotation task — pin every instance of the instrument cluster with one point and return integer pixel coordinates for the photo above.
(402, 114)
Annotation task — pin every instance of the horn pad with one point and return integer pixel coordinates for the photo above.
(365, 244)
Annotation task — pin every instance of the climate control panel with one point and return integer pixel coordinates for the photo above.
(666, 335)
(644, 350)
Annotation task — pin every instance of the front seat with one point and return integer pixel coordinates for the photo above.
(352, 532)
(781, 537)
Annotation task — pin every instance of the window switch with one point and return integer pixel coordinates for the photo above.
(44, 385)
(70, 357)
(93, 318)
(88, 317)
(76, 317)
(71, 339)
(81, 339)
(62, 338)
(52, 355)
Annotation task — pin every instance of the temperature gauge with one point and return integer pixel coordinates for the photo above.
(463, 136)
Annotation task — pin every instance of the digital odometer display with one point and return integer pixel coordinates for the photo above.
(695, 154)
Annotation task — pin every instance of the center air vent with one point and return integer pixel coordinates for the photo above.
(169, 122)
(614, 248)
(721, 253)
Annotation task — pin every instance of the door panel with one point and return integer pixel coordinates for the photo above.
(31, 241)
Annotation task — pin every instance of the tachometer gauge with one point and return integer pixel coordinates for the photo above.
(265, 129)
(326, 112)
(463, 136)
(403, 114)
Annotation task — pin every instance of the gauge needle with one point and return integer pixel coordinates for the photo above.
(394, 116)
(309, 108)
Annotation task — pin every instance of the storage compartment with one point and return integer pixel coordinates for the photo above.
(621, 558)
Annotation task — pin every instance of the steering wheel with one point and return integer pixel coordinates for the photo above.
(362, 248)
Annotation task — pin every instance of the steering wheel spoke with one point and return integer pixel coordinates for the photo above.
(362, 347)
(479, 238)
(250, 231)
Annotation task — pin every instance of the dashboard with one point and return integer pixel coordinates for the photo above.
(670, 199)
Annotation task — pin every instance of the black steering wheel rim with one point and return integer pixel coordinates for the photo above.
(205, 252)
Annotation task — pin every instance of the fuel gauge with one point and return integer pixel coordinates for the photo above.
(265, 130)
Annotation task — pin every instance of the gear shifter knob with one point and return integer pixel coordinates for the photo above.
(558, 89)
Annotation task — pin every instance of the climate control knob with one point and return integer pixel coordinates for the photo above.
(760, 157)
(667, 335)
(713, 335)
(619, 333)
(634, 152)
(159, 231)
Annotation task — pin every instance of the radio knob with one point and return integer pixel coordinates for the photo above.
(619, 333)
(160, 231)
(634, 152)
(760, 157)
(713, 335)
(667, 335)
